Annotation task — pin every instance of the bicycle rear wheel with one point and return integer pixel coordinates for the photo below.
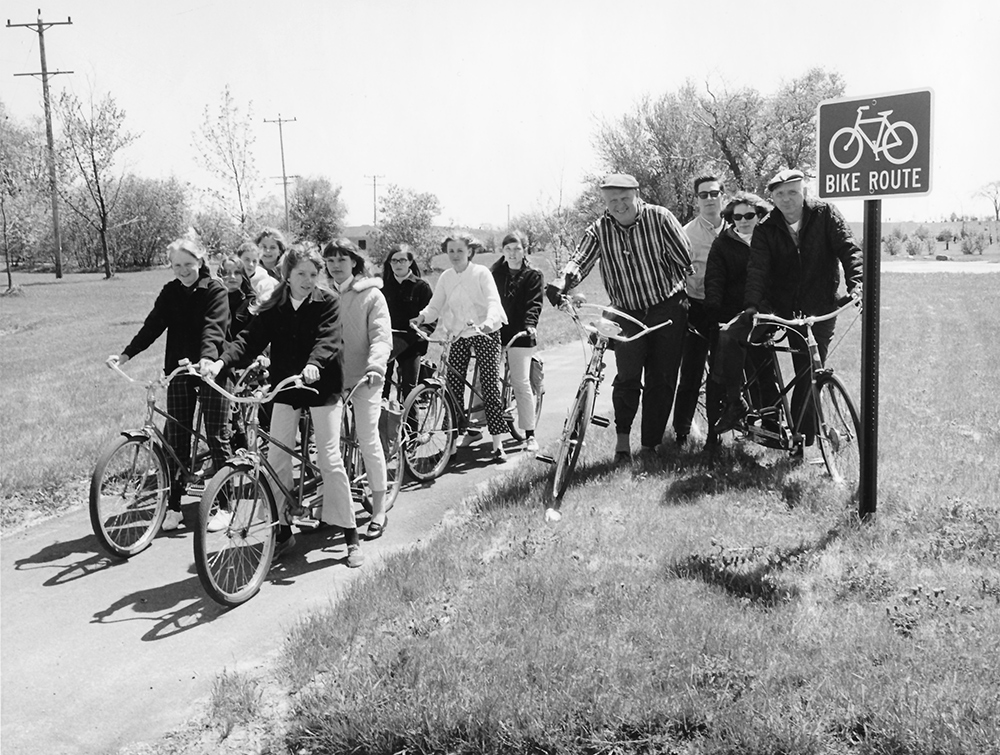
(128, 495)
(233, 562)
(574, 431)
(839, 433)
(427, 431)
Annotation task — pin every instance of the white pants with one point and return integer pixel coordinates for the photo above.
(519, 361)
(367, 404)
(338, 506)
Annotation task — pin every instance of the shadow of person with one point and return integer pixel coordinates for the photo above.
(95, 560)
(173, 608)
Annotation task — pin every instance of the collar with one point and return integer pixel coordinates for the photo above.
(346, 285)
(715, 230)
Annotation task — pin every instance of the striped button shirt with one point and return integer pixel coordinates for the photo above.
(642, 264)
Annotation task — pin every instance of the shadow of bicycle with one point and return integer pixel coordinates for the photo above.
(93, 560)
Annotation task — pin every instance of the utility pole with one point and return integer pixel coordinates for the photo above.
(375, 198)
(284, 180)
(39, 28)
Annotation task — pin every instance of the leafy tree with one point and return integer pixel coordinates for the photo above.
(218, 230)
(23, 204)
(408, 218)
(225, 142)
(316, 210)
(154, 212)
(92, 138)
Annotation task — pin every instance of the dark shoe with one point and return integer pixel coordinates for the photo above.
(375, 529)
(713, 439)
(623, 457)
(284, 547)
(499, 456)
(731, 418)
(680, 439)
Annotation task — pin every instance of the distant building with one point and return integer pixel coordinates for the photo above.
(363, 236)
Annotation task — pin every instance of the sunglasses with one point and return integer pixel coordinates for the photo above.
(744, 216)
(706, 194)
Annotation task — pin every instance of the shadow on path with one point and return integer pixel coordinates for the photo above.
(94, 560)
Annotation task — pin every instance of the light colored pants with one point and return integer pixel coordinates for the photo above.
(367, 404)
(519, 361)
(338, 506)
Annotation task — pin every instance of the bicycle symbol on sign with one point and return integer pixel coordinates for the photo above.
(890, 136)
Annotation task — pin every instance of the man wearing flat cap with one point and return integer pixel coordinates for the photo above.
(644, 261)
(794, 269)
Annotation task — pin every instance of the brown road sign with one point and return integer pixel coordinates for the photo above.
(875, 147)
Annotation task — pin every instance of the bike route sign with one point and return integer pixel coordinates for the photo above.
(875, 147)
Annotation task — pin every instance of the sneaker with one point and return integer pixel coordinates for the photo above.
(470, 437)
(531, 445)
(284, 547)
(172, 521)
(734, 414)
(220, 521)
(499, 456)
(355, 557)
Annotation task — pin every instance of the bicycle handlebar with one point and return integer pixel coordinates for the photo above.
(259, 397)
(577, 309)
(769, 319)
(184, 366)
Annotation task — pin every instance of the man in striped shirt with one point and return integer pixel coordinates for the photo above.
(644, 261)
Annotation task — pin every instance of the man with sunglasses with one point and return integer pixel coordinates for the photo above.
(644, 262)
(701, 233)
(794, 269)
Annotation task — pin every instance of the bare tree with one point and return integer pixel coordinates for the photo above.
(992, 192)
(92, 138)
(226, 141)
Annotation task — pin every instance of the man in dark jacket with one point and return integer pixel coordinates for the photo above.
(795, 259)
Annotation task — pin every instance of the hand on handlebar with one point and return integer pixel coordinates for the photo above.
(374, 379)
(116, 360)
(555, 291)
(310, 373)
(210, 369)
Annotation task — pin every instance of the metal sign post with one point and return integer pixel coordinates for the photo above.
(870, 148)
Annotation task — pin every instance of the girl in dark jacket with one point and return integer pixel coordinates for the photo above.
(520, 286)
(194, 310)
(406, 293)
(301, 323)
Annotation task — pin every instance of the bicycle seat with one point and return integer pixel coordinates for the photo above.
(885, 112)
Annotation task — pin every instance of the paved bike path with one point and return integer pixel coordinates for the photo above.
(97, 653)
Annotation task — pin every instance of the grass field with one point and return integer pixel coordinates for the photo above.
(685, 604)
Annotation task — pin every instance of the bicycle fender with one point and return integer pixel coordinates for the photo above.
(243, 462)
(138, 434)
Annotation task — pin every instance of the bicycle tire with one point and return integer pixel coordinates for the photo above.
(573, 434)
(427, 431)
(354, 465)
(839, 433)
(853, 139)
(895, 128)
(394, 467)
(129, 490)
(233, 562)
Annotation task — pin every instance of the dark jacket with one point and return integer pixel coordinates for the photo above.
(726, 276)
(405, 301)
(310, 334)
(788, 279)
(521, 296)
(195, 319)
(239, 312)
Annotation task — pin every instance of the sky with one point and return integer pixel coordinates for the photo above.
(492, 106)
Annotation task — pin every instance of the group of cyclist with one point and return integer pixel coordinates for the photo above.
(735, 258)
(322, 314)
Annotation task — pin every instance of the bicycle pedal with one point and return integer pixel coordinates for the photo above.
(546, 458)
(306, 522)
(600, 421)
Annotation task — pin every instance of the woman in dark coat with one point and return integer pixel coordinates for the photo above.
(406, 293)
(520, 286)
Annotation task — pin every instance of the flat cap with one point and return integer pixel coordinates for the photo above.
(785, 176)
(620, 181)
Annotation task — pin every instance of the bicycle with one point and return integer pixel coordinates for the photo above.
(130, 486)
(429, 425)
(770, 423)
(599, 333)
(233, 562)
(888, 138)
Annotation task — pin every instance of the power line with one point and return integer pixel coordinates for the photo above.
(39, 28)
(375, 198)
(284, 180)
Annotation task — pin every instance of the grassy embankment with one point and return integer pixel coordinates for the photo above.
(690, 604)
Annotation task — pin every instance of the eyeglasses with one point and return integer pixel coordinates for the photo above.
(400, 261)
(744, 216)
(706, 194)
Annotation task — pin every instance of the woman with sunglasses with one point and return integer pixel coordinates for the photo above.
(406, 293)
(725, 280)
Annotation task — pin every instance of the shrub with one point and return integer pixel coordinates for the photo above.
(915, 246)
(974, 243)
(922, 232)
(892, 245)
(945, 235)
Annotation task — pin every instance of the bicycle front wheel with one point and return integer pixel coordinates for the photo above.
(427, 431)
(233, 562)
(129, 490)
(839, 433)
(574, 431)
